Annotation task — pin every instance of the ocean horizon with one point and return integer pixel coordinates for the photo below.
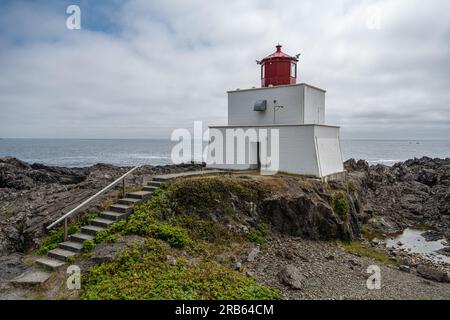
(128, 152)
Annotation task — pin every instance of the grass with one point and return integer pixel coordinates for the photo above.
(145, 275)
(178, 215)
(358, 248)
(258, 235)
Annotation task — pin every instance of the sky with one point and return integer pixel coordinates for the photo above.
(140, 68)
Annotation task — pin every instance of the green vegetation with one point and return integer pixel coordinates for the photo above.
(201, 195)
(145, 274)
(178, 215)
(88, 246)
(340, 205)
(351, 186)
(54, 237)
(358, 248)
(259, 234)
(175, 236)
(51, 241)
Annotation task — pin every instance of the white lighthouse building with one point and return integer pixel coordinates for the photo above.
(305, 144)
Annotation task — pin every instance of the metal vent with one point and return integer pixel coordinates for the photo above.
(260, 105)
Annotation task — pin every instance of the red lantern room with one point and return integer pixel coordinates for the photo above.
(278, 69)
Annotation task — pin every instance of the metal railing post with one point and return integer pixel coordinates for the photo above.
(65, 229)
(123, 188)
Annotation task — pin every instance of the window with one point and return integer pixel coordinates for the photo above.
(293, 70)
(263, 69)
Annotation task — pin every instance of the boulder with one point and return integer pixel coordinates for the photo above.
(431, 273)
(291, 276)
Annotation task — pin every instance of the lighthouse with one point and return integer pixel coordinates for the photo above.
(305, 144)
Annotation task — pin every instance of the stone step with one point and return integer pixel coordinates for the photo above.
(71, 246)
(142, 195)
(159, 179)
(149, 188)
(154, 183)
(81, 237)
(91, 230)
(129, 201)
(102, 222)
(121, 208)
(116, 216)
(31, 277)
(49, 263)
(61, 254)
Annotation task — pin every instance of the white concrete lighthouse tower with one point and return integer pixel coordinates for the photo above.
(306, 145)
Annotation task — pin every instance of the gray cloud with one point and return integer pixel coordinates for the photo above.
(168, 63)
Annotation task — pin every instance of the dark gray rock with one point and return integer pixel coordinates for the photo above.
(410, 193)
(306, 215)
(291, 276)
(12, 266)
(432, 273)
(404, 268)
(252, 254)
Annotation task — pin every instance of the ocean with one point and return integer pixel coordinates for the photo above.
(87, 152)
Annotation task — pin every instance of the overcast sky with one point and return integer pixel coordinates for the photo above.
(138, 69)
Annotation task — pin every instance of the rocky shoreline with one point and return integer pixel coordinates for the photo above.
(34, 195)
(383, 202)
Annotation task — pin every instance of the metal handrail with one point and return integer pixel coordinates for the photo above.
(74, 210)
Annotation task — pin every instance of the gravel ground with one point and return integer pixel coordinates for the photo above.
(331, 273)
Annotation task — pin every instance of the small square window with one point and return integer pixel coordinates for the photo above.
(293, 70)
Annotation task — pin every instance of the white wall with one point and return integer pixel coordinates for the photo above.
(303, 149)
(314, 106)
(302, 104)
(328, 149)
(240, 106)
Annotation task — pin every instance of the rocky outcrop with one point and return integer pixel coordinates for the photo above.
(290, 205)
(305, 215)
(414, 192)
(34, 195)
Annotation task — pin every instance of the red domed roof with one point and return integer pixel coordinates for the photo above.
(279, 55)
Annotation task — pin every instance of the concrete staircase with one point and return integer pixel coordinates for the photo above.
(117, 211)
(60, 256)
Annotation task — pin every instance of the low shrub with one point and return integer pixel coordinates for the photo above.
(259, 234)
(340, 205)
(145, 275)
(175, 236)
(88, 246)
(51, 241)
